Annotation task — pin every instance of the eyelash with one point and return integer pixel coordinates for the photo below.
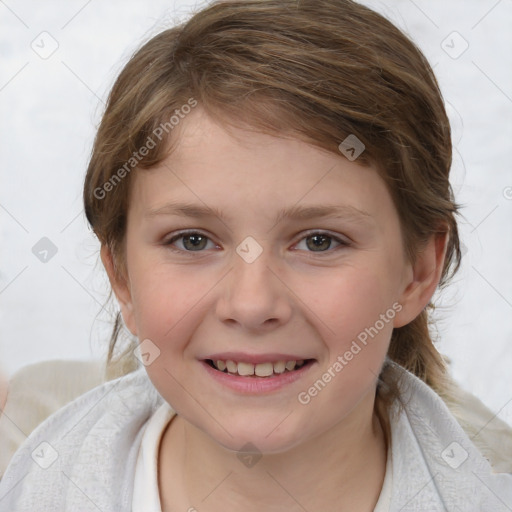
(342, 243)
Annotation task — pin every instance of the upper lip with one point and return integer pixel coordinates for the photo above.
(241, 357)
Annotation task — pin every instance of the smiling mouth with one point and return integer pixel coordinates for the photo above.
(269, 369)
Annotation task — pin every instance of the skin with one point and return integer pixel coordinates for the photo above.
(329, 454)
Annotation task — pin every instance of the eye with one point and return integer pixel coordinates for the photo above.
(320, 242)
(195, 241)
(191, 241)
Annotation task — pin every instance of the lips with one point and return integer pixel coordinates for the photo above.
(261, 369)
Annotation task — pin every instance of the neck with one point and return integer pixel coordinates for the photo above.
(340, 469)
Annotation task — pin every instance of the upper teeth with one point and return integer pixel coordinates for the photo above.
(260, 370)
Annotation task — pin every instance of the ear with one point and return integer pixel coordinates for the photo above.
(422, 279)
(121, 289)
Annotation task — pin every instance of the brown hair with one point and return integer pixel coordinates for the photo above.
(318, 69)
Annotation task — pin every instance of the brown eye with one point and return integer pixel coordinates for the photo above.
(320, 242)
(194, 242)
(189, 242)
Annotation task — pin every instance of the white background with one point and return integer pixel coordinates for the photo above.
(49, 110)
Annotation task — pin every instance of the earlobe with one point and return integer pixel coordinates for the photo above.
(120, 287)
(423, 280)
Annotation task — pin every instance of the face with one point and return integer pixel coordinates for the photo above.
(263, 251)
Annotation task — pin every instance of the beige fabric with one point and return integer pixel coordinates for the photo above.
(38, 390)
(3, 389)
(491, 435)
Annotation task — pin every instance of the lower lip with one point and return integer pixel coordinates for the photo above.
(257, 385)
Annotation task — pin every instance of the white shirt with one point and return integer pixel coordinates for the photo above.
(146, 496)
(435, 463)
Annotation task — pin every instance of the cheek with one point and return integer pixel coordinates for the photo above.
(357, 314)
(352, 300)
(169, 306)
(166, 303)
(357, 321)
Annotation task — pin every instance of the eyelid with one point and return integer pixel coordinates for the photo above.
(177, 234)
(342, 240)
(336, 236)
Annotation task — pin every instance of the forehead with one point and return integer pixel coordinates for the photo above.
(235, 169)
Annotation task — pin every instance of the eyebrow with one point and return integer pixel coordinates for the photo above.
(294, 212)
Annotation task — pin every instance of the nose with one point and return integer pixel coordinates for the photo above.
(254, 296)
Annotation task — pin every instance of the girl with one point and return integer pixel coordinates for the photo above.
(269, 185)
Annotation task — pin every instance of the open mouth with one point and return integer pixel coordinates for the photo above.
(268, 369)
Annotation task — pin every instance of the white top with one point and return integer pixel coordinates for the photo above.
(88, 464)
(146, 496)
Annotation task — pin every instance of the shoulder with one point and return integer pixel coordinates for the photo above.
(434, 459)
(491, 435)
(84, 453)
(38, 390)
